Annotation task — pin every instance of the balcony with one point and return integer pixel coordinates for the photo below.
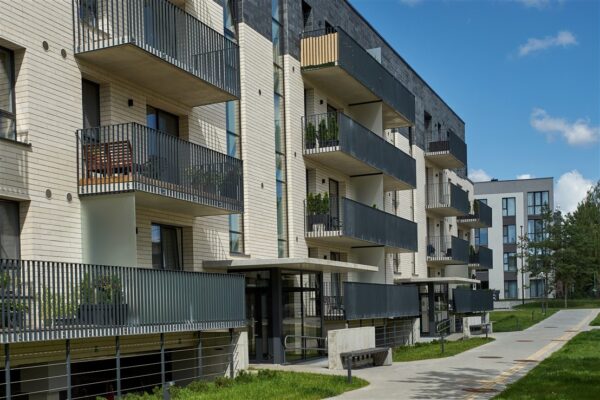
(467, 301)
(348, 223)
(335, 63)
(165, 172)
(54, 300)
(447, 199)
(355, 301)
(158, 46)
(482, 258)
(479, 217)
(446, 150)
(447, 250)
(337, 141)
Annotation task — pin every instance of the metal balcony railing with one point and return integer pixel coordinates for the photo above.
(160, 28)
(481, 213)
(132, 157)
(335, 131)
(482, 257)
(345, 217)
(448, 195)
(446, 142)
(467, 301)
(333, 46)
(373, 300)
(447, 248)
(53, 300)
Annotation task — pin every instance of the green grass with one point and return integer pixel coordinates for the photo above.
(517, 320)
(265, 384)
(560, 304)
(596, 321)
(573, 372)
(424, 351)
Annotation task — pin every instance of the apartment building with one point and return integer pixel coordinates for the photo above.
(190, 185)
(518, 206)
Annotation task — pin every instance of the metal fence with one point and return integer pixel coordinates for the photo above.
(447, 248)
(467, 301)
(448, 195)
(130, 156)
(372, 300)
(162, 29)
(336, 131)
(448, 141)
(481, 212)
(353, 58)
(53, 300)
(345, 217)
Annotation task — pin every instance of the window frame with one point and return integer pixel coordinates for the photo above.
(17, 208)
(507, 257)
(532, 204)
(506, 234)
(180, 246)
(10, 114)
(505, 206)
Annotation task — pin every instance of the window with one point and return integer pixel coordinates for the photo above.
(536, 201)
(162, 121)
(8, 127)
(9, 230)
(509, 234)
(510, 289)
(481, 236)
(307, 16)
(508, 207)
(510, 262)
(536, 288)
(167, 247)
(536, 231)
(236, 225)
(229, 19)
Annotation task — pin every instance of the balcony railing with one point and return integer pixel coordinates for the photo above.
(447, 250)
(161, 29)
(467, 301)
(336, 132)
(54, 300)
(132, 157)
(333, 47)
(482, 258)
(479, 217)
(447, 148)
(447, 199)
(358, 222)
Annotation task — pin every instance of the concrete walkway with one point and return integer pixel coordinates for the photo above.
(480, 373)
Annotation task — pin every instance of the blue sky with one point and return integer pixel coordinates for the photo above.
(523, 74)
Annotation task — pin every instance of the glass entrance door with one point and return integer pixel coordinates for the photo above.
(258, 313)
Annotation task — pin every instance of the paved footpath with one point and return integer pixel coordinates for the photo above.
(480, 373)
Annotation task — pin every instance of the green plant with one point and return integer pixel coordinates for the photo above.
(4, 280)
(374, 206)
(222, 382)
(56, 303)
(266, 374)
(14, 306)
(333, 127)
(313, 203)
(325, 204)
(475, 207)
(310, 135)
(102, 289)
(199, 386)
(323, 132)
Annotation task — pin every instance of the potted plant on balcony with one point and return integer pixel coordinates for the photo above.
(323, 133)
(333, 130)
(310, 136)
(101, 301)
(475, 208)
(317, 212)
(4, 284)
(12, 312)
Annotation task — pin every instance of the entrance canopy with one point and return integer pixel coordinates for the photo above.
(301, 264)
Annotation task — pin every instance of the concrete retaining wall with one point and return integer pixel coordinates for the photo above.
(344, 340)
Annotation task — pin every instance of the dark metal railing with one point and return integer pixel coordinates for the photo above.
(162, 29)
(345, 217)
(448, 195)
(483, 257)
(451, 248)
(481, 212)
(335, 131)
(448, 141)
(333, 300)
(357, 61)
(467, 301)
(372, 300)
(43, 300)
(127, 157)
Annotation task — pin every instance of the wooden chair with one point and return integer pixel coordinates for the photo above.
(109, 158)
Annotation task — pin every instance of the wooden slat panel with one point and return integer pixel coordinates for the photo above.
(320, 50)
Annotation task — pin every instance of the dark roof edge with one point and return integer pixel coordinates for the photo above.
(403, 60)
(516, 180)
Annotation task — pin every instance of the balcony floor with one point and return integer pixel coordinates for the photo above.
(472, 223)
(137, 65)
(337, 238)
(444, 159)
(439, 261)
(444, 210)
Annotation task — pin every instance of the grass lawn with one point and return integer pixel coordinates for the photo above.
(265, 384)
(560, 304)
(517, 320)
(573, 372)
(424, 351)
(596, 321)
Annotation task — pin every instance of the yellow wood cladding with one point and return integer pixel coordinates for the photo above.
(319, 50)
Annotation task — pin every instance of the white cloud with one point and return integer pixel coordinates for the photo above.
(570, 189)
(535, 3)
(411, 3)
(577, 133)
(562, 39)
(479, 175)
(525, 176)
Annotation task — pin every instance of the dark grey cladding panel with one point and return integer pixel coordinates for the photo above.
(256, 14)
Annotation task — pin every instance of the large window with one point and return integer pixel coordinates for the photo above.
(9, 230)
(481, 236)
(536, 201)
(508, 207)
(8, 125)
(510, 262)
(236, 223)
(509, 234)
(536, 288)
(167, 247)
(536, 230)
(510, 289)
